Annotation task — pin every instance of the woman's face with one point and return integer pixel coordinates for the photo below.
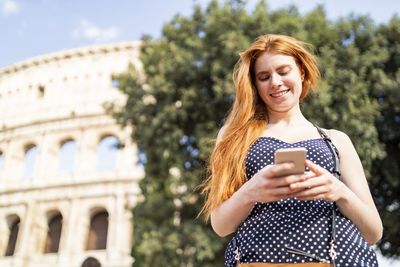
(278, 81)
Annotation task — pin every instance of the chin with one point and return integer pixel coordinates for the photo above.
(281, 109)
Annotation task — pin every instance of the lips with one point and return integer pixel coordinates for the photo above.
(280, 93)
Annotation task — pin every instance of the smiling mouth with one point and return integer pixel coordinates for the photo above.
(281, 93)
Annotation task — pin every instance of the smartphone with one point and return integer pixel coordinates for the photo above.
(296, 155)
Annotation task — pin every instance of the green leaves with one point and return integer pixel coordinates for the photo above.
(179, 100)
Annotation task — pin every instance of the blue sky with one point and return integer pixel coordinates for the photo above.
(30, 28)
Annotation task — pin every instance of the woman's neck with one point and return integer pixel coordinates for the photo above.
(290, 126)
(290, 118)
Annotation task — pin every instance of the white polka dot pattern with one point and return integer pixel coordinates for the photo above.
(304, 225)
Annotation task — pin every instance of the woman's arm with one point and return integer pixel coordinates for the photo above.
(231, 213)
(351, 193)
(357, 204)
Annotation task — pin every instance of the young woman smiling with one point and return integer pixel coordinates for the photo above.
(286, 220)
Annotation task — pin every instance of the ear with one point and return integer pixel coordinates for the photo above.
(302, 74)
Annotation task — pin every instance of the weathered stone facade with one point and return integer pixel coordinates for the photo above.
(44, 103)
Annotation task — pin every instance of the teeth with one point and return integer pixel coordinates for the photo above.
(279, 94)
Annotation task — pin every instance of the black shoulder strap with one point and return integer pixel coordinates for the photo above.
(328, 141)
(336, 172)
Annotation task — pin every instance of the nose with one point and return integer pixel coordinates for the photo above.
(276, 80)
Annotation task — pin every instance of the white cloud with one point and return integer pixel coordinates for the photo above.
(9, 7)
(90, 31)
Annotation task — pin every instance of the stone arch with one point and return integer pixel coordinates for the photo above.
(54, 223)
(1, 160)
(91, 262)
(98, 230)
(31, 153)
(13, 222)
(107, 152)
(66, 157)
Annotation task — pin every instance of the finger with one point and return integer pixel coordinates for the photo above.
(310, 173)
(294, 192)
(271, 167)
(276, 169)
(310, 183)
(311, 194)
(315, 168)
(293, 179)
(282, 191)
(311, 197)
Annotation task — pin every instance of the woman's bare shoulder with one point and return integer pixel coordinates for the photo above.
(338, 136)
(341, 140)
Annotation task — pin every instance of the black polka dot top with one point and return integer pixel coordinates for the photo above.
(304, 225)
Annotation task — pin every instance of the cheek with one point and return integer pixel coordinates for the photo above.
(261, 86)
(257, 86)
(261, 92)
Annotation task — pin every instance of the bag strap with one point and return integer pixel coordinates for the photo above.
(330, 145)
(336, 172)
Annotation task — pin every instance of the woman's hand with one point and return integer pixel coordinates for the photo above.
(321, 184)
(267, 186)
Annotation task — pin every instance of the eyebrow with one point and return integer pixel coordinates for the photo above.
(278, 68)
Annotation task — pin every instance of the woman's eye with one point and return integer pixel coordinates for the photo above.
(283, 73)
(264, 78)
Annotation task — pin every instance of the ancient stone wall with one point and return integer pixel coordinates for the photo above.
(45, 103)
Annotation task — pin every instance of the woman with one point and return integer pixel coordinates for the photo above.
(271, 213)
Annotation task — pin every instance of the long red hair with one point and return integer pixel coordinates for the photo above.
(248, 118)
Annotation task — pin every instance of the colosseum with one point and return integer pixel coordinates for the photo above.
(68, 173)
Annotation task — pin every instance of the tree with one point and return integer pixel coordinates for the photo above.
(178, 102)
(385, 171)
